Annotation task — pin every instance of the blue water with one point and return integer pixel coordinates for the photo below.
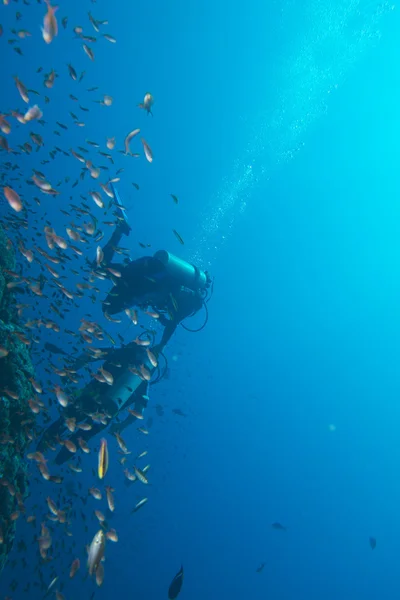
(277, 128)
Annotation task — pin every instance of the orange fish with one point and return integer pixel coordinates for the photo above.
(13, 199)
(100, 516)
(70, 446)
(96, 493)
(61, 396)
(83, 445)
(112, 535)
(22, 90)
(33, 113)
(50, 27)
(74, 567)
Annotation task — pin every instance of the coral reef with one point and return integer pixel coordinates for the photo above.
(15, 417)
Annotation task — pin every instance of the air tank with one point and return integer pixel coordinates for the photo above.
(187, 274)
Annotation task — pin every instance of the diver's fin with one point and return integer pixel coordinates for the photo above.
(123, 224)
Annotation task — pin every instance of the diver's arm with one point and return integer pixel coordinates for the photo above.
(122, 228)
(187, 305)
(112, 243)
(170, 326)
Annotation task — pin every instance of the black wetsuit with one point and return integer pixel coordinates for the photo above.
(144, 283)
(98, 397)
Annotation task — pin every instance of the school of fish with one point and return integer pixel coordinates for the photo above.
(55, 272)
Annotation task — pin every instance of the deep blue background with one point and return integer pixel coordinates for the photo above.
(304, 322)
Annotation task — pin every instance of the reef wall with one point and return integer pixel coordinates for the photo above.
(16, 419)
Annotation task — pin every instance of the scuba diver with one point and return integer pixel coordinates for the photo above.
(97, 404)
(164, 283)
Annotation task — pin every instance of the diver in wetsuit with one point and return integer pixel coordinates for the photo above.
(164, 282)
(167, 284)
(98, 403)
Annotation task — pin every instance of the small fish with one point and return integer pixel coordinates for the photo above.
(140, 475)
(372, 543)
(99, 255)
(96, 493)
(88, 51)
(132, 314)
(107, 376)
(103, 459)
(3, 352)
(260, 568)
(72, 72)
(70, 446)
(141, 342)
(52, 506)
(33, 113)
(49, 80)
(61, 396)
(53, 582)
(130, 476)
(278, 526)
(151, 357)
(152, 314)
(176, 585)
(22, 89)
(112, 535)
(114, 272)
(110, 498)
(107, 100)
(139, 504)
(174, 198)
(109, 38)
(136, 414)
(145, 373)
(100, 516)
(147, 151)
(100, 575)
(177, 411)
(13, 199)
(50, 27)
(75, 469)
(96, 551)
(122, 444)
(147, 103)
(129, 137)
(178, 237)
(94, 22)
(74, 567)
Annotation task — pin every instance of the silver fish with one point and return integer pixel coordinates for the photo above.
(96, 551)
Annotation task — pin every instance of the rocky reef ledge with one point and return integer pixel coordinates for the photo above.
(16, 419)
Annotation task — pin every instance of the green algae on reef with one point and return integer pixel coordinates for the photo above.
(15, 371)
